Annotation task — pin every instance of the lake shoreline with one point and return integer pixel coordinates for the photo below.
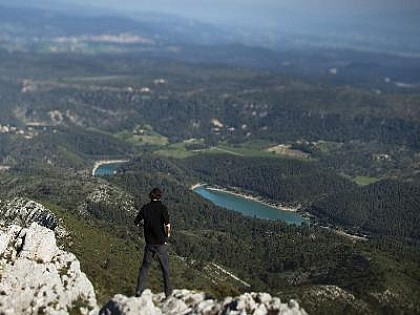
(105, 162)
(248, 196)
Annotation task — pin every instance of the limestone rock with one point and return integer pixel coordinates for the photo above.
(190, 302)
(121, 304)
(319, 295)
(105, 196)
(330, 292)
(23, 212)
(37, 277)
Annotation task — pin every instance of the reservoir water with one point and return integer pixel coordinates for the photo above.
(248, 207)
(107, 168)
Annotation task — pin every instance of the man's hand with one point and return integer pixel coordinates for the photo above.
(168, 229)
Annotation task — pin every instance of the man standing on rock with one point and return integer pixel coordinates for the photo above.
(157, 229)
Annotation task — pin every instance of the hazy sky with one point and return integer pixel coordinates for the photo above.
(237, 10)
(281, 15)
(213, 9)
(259, 6)
(285, 14)
(267, 12)
(268, 4)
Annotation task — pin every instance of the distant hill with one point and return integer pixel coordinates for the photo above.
(28, 23)
(50, 28)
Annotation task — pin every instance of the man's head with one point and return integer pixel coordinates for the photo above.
(155, 194)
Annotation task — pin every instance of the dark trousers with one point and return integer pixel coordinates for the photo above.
(150, 251)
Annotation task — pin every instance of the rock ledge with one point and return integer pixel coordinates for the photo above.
(191, 302)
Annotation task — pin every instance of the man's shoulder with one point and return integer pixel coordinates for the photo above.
(155, 205)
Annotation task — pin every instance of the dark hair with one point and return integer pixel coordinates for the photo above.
(155, 194)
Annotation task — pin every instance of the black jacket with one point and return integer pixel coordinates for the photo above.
(155, 216)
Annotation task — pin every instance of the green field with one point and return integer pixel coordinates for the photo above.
(142, 135)
(247, 149)
(365, 180)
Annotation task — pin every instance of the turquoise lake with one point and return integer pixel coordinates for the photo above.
(248, 207)
(107, 169)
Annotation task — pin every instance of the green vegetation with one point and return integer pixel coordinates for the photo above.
(193, 147)
(326, 146)
(387, 207)
(214, 124)
(251, 149)
(176, 150)
(142, 136)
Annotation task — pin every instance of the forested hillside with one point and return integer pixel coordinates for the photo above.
(281, 180)
(248, 105)
(387, 207)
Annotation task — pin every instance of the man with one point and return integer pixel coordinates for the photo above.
(157, 229)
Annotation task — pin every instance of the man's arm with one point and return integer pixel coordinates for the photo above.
(166, 222)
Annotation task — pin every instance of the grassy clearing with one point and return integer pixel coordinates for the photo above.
(142, 135)
(254, 149)
(287, 151)
(365, 180)
(180, 150)
(362, 180)
(249, 149)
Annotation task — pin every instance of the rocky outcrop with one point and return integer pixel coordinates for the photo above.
(190, 302)
(39, 278)
(320, 297)
(23, 212)
(106, 201)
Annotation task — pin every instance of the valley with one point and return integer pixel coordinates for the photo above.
(89, 127)
(316, 158)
